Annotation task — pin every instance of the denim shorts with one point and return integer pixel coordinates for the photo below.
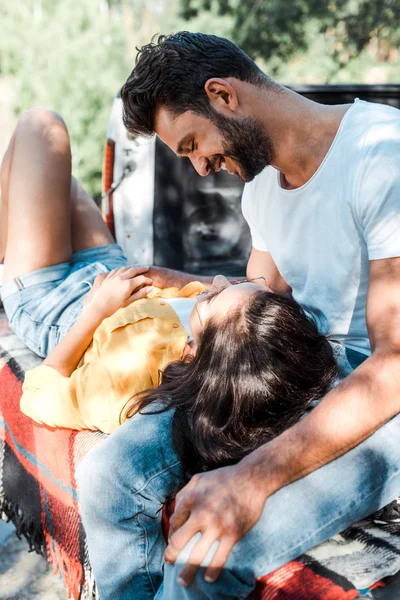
(43, 305)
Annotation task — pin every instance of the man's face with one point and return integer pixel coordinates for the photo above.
(239, 145)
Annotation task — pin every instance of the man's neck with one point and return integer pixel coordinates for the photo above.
(303, 132)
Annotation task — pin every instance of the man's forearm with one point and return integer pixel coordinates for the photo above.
(163, 278)
(350, 413)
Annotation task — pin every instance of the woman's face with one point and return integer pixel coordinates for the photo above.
(218, 301)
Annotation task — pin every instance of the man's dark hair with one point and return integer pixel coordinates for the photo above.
(253, 376)
(172, 71)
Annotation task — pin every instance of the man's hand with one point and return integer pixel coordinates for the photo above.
(222, 505)
(116, 289)
(164, 278)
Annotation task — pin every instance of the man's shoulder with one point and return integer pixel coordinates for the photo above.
(374, 125)
(375, 111)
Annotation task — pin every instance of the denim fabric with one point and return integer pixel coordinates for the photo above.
(49, 300)
(302, 515)
(124, 481)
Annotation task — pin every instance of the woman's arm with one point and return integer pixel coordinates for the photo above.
(67, 354)
(118, 288)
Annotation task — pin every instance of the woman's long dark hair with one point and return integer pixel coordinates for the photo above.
(253, 375)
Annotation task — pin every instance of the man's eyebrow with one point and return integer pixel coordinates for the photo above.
(184, 142)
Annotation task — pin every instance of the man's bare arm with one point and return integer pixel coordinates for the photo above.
(224, 504)
(164, 278)
(365, 400)
(262, 264)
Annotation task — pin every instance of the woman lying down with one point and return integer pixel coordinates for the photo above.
(238, 363)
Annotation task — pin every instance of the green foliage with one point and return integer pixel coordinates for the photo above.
(277, 31)
(202, 20)
(71, 57)
(263, 28)
(74, 55)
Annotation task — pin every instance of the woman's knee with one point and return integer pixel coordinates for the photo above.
(36, 120)
(39, 117)
(44, 124)
(5, 171)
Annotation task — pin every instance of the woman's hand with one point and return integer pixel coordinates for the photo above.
(116, 289)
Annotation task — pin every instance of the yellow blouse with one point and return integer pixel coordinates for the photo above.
(127, 352)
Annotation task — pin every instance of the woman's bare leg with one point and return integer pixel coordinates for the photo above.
(87, 226)
(45, 214)
(36, 186)
(3, 231)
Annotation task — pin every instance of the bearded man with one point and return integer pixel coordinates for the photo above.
(322, 199)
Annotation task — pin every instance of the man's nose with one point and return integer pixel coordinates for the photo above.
(201, 166)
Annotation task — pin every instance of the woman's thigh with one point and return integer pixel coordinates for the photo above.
(36, 181)
(88, 228)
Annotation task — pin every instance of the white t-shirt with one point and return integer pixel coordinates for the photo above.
(323, 234)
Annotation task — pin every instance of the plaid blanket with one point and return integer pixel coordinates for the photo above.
(38, 492)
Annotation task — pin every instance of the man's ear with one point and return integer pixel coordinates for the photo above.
(221, 94)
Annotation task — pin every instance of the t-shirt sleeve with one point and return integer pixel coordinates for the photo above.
(378, 199)
(249, 203)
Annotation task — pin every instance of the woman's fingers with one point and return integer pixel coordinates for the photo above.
(118, 288)
(142, 293)
(139, 280)
(98, 281)
(129, 272)
(135, 283)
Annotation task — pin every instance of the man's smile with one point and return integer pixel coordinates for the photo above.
(219, 163)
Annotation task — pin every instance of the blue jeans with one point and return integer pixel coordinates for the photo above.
(43, 305)
(125, 480)
(123, 483)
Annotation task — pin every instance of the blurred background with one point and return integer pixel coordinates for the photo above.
(74, 55)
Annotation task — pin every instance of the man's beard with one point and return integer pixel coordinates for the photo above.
(246, 143)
